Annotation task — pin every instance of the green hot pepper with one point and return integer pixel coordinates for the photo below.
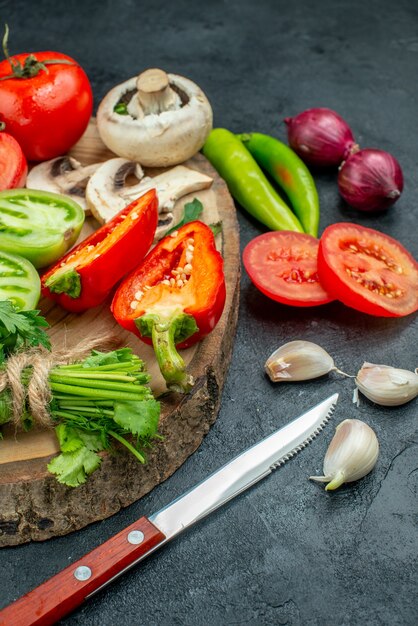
(289, 171)
(246, 181)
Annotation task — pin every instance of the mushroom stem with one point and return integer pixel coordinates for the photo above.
(155, 94)
(168, 121)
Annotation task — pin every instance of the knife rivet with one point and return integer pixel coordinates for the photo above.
(82, 572)
(136, 536)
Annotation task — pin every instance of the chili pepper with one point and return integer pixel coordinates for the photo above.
(85, 277)
(289, 171)
(174, 298)
(246, 181)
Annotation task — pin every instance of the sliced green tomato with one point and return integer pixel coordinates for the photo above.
(38, 225)
(19, 281)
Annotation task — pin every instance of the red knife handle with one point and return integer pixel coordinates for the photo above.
(62, 593)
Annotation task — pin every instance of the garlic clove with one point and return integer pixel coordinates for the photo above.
(298, 360)
(351, 454)
(387, 386)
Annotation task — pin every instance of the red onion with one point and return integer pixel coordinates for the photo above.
(320, 137)
(370, 180)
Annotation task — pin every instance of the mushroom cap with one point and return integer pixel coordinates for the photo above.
(168, 138)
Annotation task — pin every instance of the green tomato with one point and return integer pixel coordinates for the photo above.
(38, 225)
(19, 281)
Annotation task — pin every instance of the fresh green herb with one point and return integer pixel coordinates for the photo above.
(121, 108)
(20, 329)
(78, 458)
(103, 398)
(216, 228)
(192, 212)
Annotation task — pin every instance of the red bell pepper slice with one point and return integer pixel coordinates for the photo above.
(174, 298)
(85, 276)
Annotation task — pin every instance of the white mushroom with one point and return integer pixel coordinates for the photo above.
(170, 186)
(107, 193)
(63, 175)
(104, 189)
(165, 119)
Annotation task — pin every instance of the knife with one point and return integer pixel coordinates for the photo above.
(62, 593)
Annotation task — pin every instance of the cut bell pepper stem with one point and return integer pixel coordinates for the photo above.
(171, 364)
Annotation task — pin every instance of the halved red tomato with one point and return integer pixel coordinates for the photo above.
(13, 165)
(283, 266)
(368, 271)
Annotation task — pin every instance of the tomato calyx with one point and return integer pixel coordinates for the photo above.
(31, 67)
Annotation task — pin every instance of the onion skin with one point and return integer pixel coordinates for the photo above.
(370, 180)
(320, 137)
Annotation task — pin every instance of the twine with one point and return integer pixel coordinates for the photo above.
(37, 394)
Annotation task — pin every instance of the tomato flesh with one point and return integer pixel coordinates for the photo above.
(368, 271)
(13, 165)
(38, 225)
(19, 281)
(283, 266)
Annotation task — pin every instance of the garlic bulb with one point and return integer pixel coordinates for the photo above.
(298, 360)
(351, 454)
(385, 385)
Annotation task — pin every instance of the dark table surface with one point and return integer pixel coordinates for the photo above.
(285, 552)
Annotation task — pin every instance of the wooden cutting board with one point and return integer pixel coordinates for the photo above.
(34, 506)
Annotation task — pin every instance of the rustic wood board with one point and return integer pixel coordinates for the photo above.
(34, 506)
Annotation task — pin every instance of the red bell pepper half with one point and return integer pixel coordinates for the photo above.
(174, 298)
(85, 276)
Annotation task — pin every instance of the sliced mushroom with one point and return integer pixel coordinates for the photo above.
(165, 222)
(104, 189)
(107, 193)
(166, 119)
(63, 175)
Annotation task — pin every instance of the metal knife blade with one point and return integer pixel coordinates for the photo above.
(62, 593)
(243, 471)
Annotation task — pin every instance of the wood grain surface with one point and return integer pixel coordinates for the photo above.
(34, 505)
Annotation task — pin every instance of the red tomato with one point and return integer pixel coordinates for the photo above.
(49, 112)
(13, 166)
(368, 270)
(282, 265)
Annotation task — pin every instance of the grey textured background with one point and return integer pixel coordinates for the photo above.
(285, 552)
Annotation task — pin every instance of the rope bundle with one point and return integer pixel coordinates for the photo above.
(38, 362)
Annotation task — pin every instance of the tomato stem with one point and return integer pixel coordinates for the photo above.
(31, 66)
(4, 45)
